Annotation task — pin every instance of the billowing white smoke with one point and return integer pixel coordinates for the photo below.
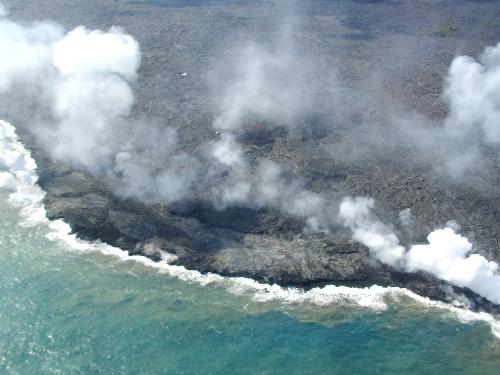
(455, 146)
(26, 51)
(92, 93)
(266, 84)
(378, 237)
(145, 167)
(84, 53)
(274, 84)
(270, 80)
(84, 75)
(289, 196)
(229, 154)
(472, 92)
(445, 256)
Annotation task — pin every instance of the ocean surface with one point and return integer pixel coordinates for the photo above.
(69, 307)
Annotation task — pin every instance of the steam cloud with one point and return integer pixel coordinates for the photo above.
(84, 78)
(268, 83)
(378, 237)
(92, 93)
(472, 92)
(445, 256)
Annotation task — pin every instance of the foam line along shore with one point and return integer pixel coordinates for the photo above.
(18, 175)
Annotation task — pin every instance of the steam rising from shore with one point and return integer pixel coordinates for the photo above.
(268, 84)
(446, 256)
(472, 92)
(83, 80)
(378, 237)
(473, 88)
(19, 169)
(92, 94)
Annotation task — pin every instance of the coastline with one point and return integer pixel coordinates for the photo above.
(266, 244)
(28, 196)
(289, 258)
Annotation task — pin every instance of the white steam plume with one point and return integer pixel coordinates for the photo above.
(26, 51)
(84, 74)
(473, 89)
(467, 143)
(146, 168)
(271, 79)
(378, 237)
(405, 217)
(92, 94)
(228, 154)
(463, 146)
(446, 256)
(87, 53)
(274, 189)
(84, 77)
(267, 83)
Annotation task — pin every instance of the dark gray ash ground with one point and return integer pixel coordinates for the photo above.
(406, 46)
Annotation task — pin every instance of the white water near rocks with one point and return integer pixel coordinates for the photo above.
(18, 175)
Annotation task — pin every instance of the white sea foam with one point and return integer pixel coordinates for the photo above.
(18, 175)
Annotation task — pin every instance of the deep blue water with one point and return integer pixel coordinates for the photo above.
(63, 312)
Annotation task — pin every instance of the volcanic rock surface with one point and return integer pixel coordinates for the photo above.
(393, 57)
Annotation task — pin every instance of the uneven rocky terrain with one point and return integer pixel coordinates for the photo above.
(390, 57)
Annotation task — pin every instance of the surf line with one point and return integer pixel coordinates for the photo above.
(18, 175)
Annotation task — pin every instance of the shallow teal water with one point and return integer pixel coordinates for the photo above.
(63, 313)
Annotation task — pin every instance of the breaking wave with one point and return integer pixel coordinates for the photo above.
(18, 175)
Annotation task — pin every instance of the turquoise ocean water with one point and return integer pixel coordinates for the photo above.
(71, 307)
(68, 312)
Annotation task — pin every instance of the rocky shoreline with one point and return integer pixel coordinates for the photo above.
(262, 246)
(367, 42)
